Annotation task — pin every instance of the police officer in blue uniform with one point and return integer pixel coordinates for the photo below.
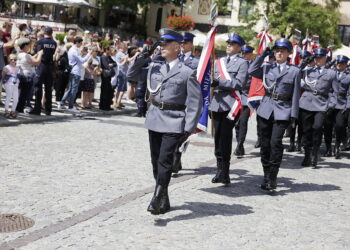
(223, 101)
(187, 57)
(176, 106)
(278, 108)
(341, 116)
(44, 73)
(320, 88)
(242, 125)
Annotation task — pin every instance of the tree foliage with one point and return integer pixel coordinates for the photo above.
(133, 4)
(286, 15)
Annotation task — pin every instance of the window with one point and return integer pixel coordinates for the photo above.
(344, 34)
(224, 7)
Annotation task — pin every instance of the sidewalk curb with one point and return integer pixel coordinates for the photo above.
(43, 118)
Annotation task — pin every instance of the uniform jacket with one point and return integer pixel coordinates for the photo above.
(327, 85)
(192, 62)
(343, 90)
(245, 89)
(287, 84)
(178, 86)
(222, 100)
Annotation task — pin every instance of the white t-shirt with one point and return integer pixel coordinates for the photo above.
(23, 61)
(12, 74)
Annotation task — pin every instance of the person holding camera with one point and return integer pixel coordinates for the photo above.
(76, 59)
(107, 65)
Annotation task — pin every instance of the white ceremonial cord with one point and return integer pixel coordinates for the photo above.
(264, 82)
(150, 90)
(308, 82)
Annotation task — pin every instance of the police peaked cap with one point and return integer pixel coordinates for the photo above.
(247, 49)
(271, 55)
(283, 43)
(320, 52)
(305, 54)
(168, 35)
(188, 36)
(235, 38)
(342, 59)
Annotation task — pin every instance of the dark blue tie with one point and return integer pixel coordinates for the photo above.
(167, 67)
(228, 60)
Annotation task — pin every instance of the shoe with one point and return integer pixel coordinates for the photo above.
(239, 151)
(314, 157)
(61, 106)
(257, 144)
(272, 184)
(291, 147)
(328, 152)
(160, 201)
(73, 110)
(48, 113)
(266, 178)
(307, 159)
(137, 115)
(218, 172)
(337, 151)
(177, 166)
(298, 147)
(222, 175)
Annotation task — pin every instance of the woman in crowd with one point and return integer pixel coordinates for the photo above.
(107, 65)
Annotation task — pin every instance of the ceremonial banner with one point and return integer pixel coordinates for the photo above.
(203, 77)
(237, 106)
(295, 60)
(256, 90)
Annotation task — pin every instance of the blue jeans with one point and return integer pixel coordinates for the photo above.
(73, 87)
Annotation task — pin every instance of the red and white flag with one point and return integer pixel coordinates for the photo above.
(237, 106)
(295, 60)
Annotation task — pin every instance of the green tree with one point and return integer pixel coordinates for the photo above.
(286, 15)
(133, 4)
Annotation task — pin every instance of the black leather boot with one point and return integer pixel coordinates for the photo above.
(225, 178)
(328, 152)
(239, 150)
(307, 159)
(291, 147)
(337, 151)
(218, 172)
(272, 184)
(314, 157)
(266, 177)
(177, 166)
(164, 203)
(160, 193)
(298, 146)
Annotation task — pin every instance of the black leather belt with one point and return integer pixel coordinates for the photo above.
(342, 94)
(279, 97)
(316, 92)
(168, 106)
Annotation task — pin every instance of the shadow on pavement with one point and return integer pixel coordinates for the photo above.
(202, 209)
(249, 185)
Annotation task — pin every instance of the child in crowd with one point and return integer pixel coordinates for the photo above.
(11, 82)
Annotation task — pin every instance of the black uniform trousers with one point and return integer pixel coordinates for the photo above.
(223, 132)
(271, 134)
(163, 146)
(341, 121)
(242, 125)
(45, 78)
(107, 93)
(312, 127)
(328, 126)
(140, 97)
(298, 127)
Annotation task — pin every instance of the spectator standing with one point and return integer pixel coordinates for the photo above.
(11, 82)
(44, 73)
(26, 63)
(121, 59)
(88, 84)
(75, 61)
(107, 65)
(63, 70)
(6, 36)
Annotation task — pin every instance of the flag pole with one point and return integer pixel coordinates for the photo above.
(213, 15)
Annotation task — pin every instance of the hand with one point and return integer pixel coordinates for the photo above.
(148, 50)
(184, 137)
(215, 83)
(266, 52)
(293, 121)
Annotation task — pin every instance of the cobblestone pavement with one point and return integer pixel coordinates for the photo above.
(87, 184)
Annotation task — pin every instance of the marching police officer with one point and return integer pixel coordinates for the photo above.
(341, 116)
(278, 108)
(306, 60)
(44, 73)
(191, 61)
(242, 126)
(176, 105)
(319, 97)
(223, 101)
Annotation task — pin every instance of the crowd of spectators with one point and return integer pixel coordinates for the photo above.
(81, 62)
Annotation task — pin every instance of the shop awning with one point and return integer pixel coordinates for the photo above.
(60, 2)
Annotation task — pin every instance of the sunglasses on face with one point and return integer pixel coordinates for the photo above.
(13, 60)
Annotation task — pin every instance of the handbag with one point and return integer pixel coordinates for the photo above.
(108, 73)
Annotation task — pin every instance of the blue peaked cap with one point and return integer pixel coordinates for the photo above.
(283, 43)
(235, 38)
(188, 36)
(320, 52)
(247, 49)
(342, 59)
(168, 35)
(305, 54)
